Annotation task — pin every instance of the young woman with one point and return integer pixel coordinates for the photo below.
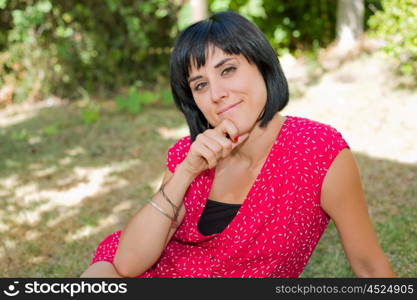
(250, 192)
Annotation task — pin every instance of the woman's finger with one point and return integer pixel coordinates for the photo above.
(212, 143)
(228, 128)
(225, 143)
(240, 140)
(207, 154)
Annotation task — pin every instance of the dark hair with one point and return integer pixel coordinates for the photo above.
(233, 34)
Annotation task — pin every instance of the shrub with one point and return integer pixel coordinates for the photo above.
(397, 25)
(70, 46)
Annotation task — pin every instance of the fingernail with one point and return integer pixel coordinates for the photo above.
(236, 138)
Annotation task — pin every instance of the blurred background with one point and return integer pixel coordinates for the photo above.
(86, 115)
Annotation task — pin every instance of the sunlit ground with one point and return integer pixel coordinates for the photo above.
(361, 101)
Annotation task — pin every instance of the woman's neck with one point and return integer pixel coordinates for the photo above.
(253, 151)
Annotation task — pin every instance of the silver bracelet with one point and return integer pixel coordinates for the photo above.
(174, 220)
(175, 209)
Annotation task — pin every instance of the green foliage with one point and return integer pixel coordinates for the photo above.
(134, 100)
(3, 4)
(184, 16)
(292, 25)
(397, 25)
(166, 97)
(91, 113)
(69, 46)
(288, 25)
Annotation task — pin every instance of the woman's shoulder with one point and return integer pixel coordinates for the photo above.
(305, 126)
(304, 131)
(308, 125)
(314, 145)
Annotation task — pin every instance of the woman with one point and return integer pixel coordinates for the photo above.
(250, 192)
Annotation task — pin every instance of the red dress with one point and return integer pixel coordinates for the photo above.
(277, 226)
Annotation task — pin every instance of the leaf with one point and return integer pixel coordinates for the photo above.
(91, 114)
(120, 102)
(3, 4)
(133, 107)
(147, 97)
(167, 97)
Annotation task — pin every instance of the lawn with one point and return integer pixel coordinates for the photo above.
(66, 184)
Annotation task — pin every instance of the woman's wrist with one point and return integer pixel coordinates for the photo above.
(184, 172)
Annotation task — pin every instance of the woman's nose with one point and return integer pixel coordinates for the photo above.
(217, 91)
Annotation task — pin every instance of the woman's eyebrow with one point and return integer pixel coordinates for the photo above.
(218, 65)
(222, 62)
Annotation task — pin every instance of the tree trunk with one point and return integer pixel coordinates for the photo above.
(349, 39)
(199, 10)
(350, 19)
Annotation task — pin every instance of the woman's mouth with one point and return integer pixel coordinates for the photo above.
(230, 107)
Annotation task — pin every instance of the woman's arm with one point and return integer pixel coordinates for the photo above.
(342, 198)
(147, 233)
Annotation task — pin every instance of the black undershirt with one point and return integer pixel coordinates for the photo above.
(216, 216)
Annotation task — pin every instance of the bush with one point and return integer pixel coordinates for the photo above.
(288, 25)
(397, 25)
(292, 25)
(71, 46)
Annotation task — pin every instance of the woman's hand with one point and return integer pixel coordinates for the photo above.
(211, 146)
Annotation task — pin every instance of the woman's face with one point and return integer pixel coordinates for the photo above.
(228, 87)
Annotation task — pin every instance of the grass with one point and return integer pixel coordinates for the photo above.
(62, 194)
(65, 185)
(390, 190)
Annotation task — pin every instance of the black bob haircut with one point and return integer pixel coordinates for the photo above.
(233, 34)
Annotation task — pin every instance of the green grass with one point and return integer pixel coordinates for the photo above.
(392, 204)
(116, 159)
(37, 233)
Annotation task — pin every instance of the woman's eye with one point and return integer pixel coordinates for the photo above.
(199, 86)
(228, 70)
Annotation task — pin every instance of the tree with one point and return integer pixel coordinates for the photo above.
(350, 19)
(349, 30)
(199, 10)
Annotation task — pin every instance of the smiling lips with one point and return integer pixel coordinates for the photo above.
(230, 107)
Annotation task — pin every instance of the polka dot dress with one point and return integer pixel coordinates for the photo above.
(276, 228)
